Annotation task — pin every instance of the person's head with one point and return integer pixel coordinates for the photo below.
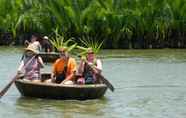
(63, 52)
(45, 37)
(90, 55)
(31, 50)
(36, 38)
(33, 38)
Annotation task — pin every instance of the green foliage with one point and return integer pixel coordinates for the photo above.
(60, 42)
(87, 43)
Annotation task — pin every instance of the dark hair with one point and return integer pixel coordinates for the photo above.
(38, 37)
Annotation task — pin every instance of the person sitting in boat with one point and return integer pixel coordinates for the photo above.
(34, 41)
(64, 68)
(88, 68)
(31, 64)
(46, 45)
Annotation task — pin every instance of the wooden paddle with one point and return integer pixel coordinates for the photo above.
(105, 81)
(5, 89)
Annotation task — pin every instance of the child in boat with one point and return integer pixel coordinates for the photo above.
(88, 69)
(31, 64)
(64, 68)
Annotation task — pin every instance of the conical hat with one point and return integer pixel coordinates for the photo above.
(32, 48)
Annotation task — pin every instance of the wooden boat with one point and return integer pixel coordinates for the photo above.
(49, 57)
(57, 91)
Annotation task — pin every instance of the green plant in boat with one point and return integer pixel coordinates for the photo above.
(60, 42)
(88, 43)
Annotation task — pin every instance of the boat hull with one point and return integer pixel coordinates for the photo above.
(57, 91)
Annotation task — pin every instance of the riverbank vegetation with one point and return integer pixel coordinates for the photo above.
(119, 23)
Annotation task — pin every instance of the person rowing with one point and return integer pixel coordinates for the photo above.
(88, 68)
(32, 70)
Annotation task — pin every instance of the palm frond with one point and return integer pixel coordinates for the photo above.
(60, 42)
(90, 43)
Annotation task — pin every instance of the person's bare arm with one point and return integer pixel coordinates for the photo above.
(73, 70)
(19, 70)
(26, 43)
(41, 61)
(96, 68)
(70, 77)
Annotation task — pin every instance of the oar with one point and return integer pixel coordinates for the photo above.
(5, 89)
(105, 81)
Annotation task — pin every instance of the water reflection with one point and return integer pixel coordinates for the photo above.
(65, 108)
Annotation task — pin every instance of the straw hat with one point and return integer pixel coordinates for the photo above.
(90, 50)
(32, 48)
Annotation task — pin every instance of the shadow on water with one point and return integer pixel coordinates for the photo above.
(63, 108)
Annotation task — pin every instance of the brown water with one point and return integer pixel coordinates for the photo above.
(148, 83)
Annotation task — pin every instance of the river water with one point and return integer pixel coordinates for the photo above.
(148, 84)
